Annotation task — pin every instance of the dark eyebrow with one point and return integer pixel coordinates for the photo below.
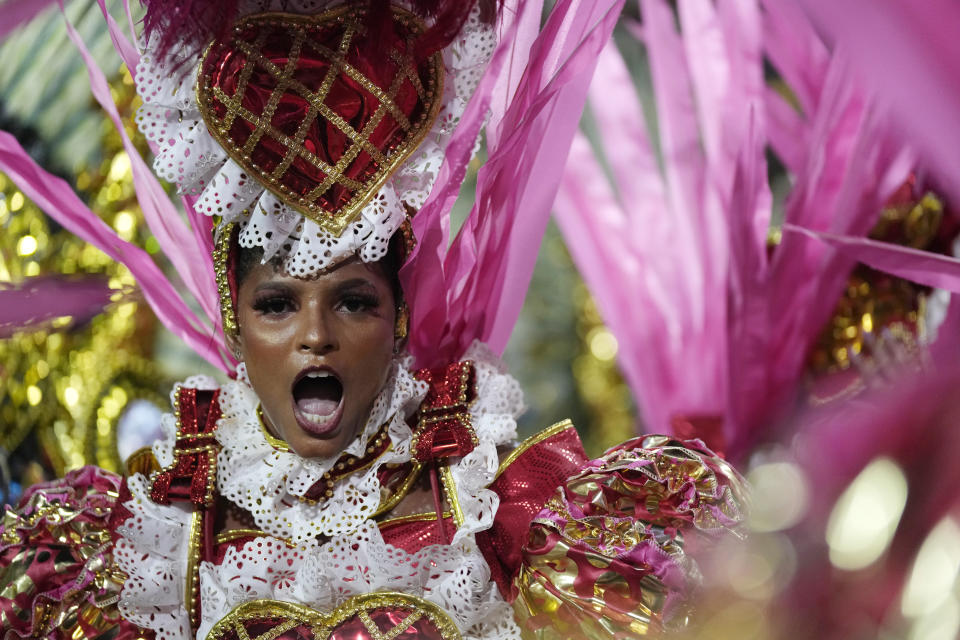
(276, 287)
(355, 283)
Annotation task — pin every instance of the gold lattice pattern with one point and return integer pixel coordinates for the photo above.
(331, 197)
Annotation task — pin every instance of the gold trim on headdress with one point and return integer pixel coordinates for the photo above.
(221, 252)
(388, 160)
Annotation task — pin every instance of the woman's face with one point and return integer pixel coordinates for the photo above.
(317, 351)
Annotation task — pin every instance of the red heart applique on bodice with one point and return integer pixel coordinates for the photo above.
(375, 616)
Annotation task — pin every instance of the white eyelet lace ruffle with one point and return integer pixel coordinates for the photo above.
(268, 482)
(494, 415)
(152, 552)
(188, 156)
(455, 577)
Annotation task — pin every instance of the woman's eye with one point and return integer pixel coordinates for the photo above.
(358, 304)
(273, 306)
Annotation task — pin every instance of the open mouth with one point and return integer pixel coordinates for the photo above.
(317, 401)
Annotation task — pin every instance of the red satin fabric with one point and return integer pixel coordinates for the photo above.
(524, 487)
(411, 536)
(346, 97)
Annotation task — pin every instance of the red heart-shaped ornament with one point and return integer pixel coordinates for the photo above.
(315, 110)
(374, 616)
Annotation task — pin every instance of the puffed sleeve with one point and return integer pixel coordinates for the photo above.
(56, 576)
(610, 553)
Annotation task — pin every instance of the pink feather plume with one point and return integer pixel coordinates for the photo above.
(474, 289)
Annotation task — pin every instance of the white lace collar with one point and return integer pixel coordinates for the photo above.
(153, 546)
(270, 483)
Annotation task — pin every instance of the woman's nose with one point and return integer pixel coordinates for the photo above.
(317, 334)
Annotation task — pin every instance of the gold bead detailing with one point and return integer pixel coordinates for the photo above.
(221, 251)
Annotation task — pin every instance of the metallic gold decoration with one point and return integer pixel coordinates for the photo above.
(272, 440)
(402, 321)
(286, 616)
(450, 491)
(413, 517)
(72, 533)
(599, 382)
(71, 381)
(142, 461)
(350, 16)
(221, 252)
(192, 586)
(876, 306)
(642, 501)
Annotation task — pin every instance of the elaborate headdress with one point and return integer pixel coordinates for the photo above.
(316, 133)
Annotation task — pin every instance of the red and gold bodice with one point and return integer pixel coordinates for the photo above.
(573, 544)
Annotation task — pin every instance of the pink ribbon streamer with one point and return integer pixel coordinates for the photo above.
(128, 53)
(16, 13)
(709, 319)
(464, 293)
(55, 197)
(908, 55)
(195, 269)
(922, 267)
(40, 299)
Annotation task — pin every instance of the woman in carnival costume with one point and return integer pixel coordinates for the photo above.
(360, 477)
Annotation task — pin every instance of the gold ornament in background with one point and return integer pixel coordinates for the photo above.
(599, 383)
(874, 301)
(878, 327)
(71, 384)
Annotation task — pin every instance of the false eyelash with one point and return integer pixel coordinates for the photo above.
(264, 303)
(367, 301)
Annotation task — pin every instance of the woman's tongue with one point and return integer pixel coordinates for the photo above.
(318, 396)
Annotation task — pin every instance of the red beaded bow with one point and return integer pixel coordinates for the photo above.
(443, 427)
(191, 477)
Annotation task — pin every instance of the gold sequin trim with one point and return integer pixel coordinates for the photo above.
(414, 517)
(220, 252)
(236, 534)
(193, 567)
(450, 489)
